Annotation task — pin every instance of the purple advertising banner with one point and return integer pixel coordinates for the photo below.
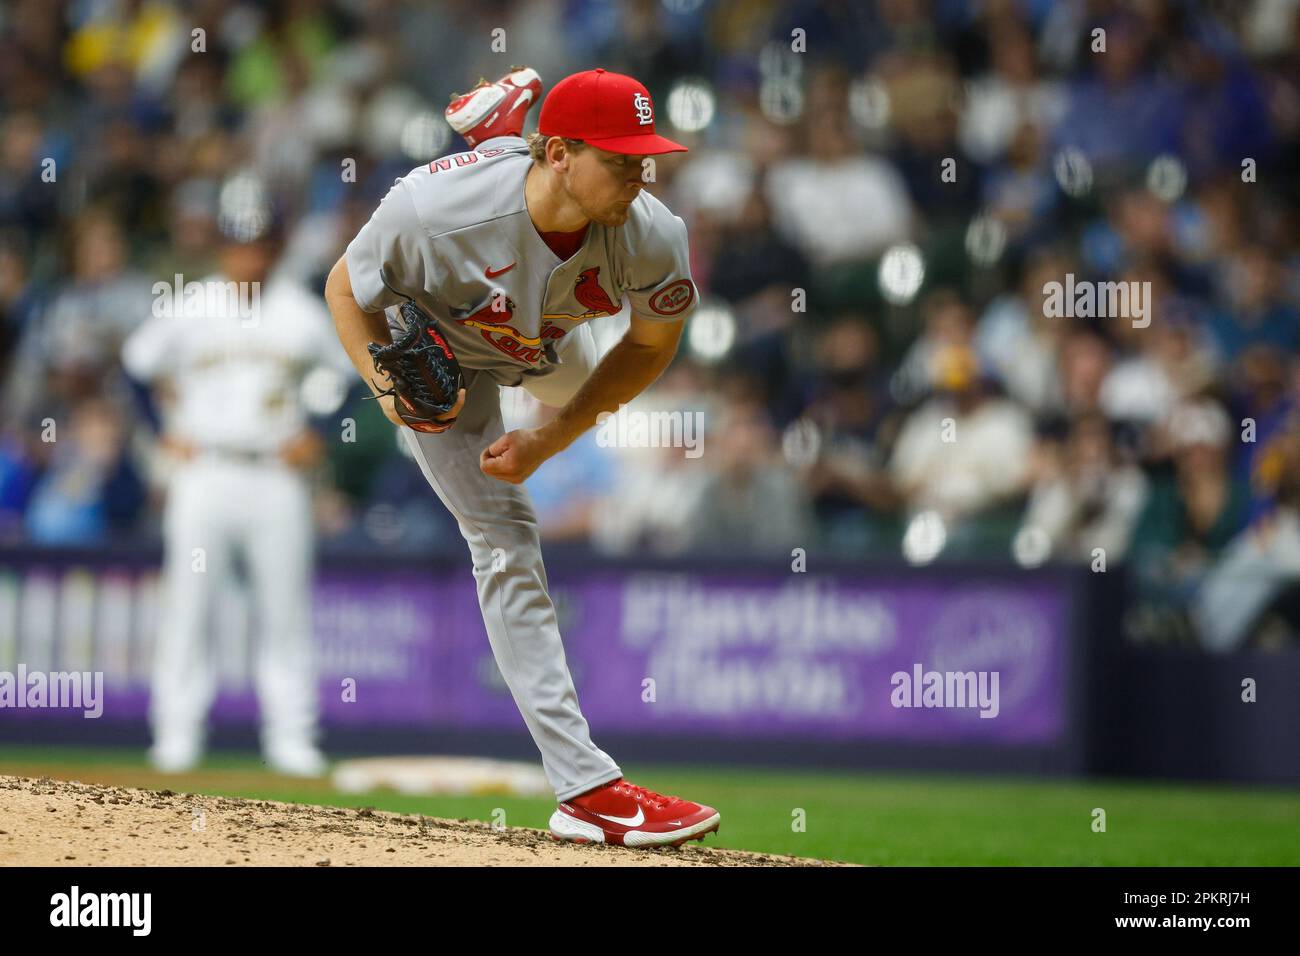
(824, 658)
(863, 657)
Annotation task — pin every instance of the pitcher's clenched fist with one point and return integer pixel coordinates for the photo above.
(515, 455)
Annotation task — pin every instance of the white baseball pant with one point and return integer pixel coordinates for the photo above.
(216, 508)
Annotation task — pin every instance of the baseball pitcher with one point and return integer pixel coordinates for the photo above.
(480, 270)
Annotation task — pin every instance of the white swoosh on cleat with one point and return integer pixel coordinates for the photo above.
(623, 821)
(526, 98)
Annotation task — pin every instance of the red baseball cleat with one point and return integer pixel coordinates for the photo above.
(495, 109)
(627, 815)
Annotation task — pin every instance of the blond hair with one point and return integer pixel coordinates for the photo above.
(537, 145)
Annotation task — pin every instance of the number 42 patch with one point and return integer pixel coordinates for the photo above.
(673, 298)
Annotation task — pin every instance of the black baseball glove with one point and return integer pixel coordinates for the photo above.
(423, 369)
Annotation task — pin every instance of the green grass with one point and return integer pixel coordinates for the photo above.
(872, 818)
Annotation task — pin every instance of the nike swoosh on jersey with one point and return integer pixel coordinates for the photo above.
(493, 273)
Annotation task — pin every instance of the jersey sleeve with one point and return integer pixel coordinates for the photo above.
(147, 350)
(391, 250)
(320, 345)
(330, 353)
(660, 287)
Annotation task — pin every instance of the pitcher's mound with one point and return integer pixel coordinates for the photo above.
(49, 822)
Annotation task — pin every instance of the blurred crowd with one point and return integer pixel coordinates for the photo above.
(877, 196)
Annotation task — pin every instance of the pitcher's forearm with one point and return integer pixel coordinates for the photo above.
(356, 327)
(625, 372)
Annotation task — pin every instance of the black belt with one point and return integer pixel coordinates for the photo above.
(247, 456)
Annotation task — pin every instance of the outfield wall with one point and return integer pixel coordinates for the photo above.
(742, 664)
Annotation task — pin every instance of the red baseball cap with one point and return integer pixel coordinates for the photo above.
(607, 110)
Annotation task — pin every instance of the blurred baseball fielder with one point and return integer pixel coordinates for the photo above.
(232, 377)
(511, 248)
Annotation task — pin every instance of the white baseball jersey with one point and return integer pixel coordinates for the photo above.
(455, 235)
(237, 362)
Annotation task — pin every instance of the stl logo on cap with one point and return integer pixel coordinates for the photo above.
(592, 106)
(644, 112)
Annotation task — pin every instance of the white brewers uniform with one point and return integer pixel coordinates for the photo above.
(236, 381)
(455, 235)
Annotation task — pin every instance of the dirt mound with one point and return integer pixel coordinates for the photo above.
(48, 822)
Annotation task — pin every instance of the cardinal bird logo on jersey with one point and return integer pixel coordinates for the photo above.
(492, 324)
(587, 290)
(498, 311)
